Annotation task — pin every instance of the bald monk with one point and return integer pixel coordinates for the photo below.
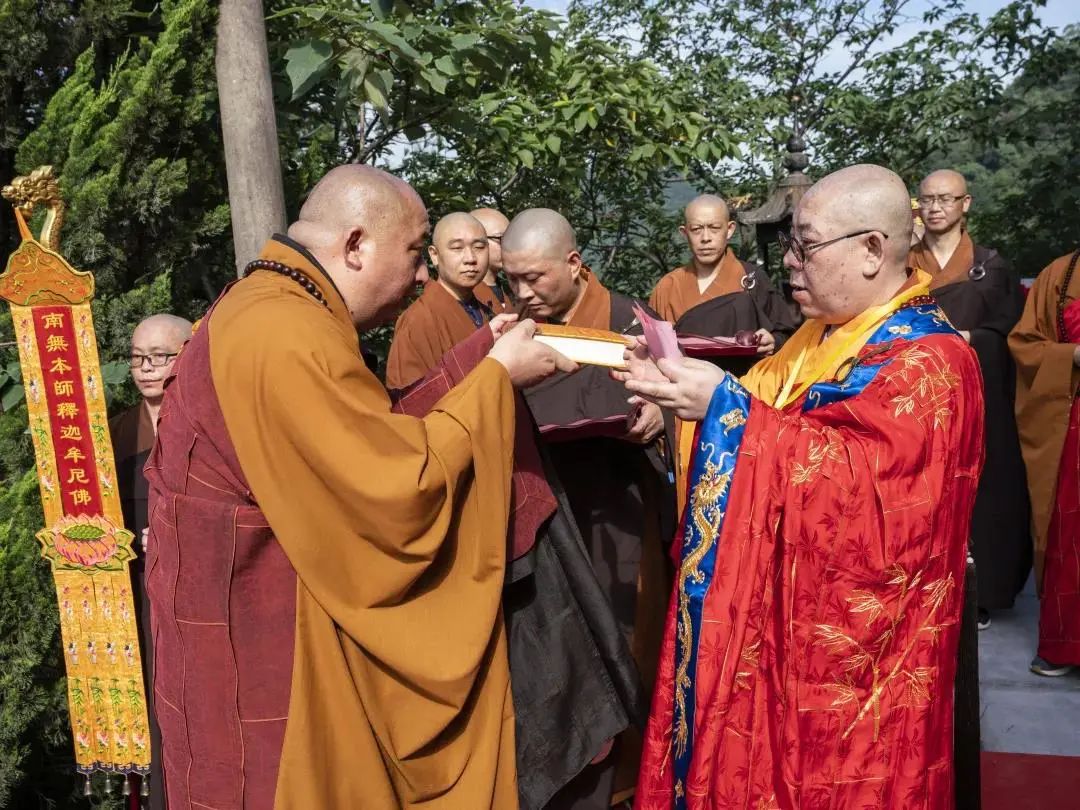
(617, 485)
(325, 577)
(811, 643)
(1046, 345)
(491, 292)
(447, 311)
(976, 289)
(716, 295)
(154, 345)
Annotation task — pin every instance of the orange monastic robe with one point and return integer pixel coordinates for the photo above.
(678, 291)
(325, 576)
(432, 325)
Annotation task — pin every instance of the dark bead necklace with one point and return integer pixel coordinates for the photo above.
(1061, 297)
(289, 272)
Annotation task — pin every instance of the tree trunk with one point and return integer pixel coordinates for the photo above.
(248, 128)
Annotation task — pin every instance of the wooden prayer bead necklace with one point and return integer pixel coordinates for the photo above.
(1061, 296)
(289, 272)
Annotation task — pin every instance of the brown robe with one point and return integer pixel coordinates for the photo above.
(432, 325)
(1047, 381)
(488, 295)
(955, 269)
(618, 493)
(678, 291)
(325, 576)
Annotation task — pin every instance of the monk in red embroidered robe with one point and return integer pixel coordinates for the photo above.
(325, 576)
(810, 650)
(492, 293)
(447, 312)
(977, 290)
(616, 482)
(1046, 345)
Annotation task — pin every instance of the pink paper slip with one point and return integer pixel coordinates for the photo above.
(659, 336)
(698, 346)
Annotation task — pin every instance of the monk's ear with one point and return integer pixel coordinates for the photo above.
(682, 230)
(573, 261)
(967, 202)
(730, 229)
(355, 245)
(875, 250)
(433, 254)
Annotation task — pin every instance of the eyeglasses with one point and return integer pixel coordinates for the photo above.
(156, 360)
(945, 200)
(800, 250)
(496, 238)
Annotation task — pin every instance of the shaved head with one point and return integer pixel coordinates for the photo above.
(155, 338)
(707, 228)
(853, 229)
(347, 195)
(707, 205)
(540, 231)
(457, 222)
(542, 263)
(943, 202)
(367, 230)
(495, 225)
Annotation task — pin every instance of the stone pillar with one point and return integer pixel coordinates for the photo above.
(248, 128)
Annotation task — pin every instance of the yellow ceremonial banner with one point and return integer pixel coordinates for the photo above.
(84, 540)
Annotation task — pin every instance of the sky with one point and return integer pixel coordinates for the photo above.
(1056, 13)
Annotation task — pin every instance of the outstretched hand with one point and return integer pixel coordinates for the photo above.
(526, 360)
(686, 387)
(501, 323)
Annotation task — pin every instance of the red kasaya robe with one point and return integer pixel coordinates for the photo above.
(810, 650)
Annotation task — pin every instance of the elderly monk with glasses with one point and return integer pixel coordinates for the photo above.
(977, 290)
(811, 641)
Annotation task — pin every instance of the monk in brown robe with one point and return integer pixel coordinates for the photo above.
(1046, 345)
(618, 486)
(492, 292)
(154, 345)
(976, 289)
(447, 311)
(325, 576)
(717, 295)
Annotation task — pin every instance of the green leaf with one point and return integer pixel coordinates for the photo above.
(526, 158)
(581, 121)
(437, 81)
(554, 143)
(305, 64)
(12, 395)
(447, 66)
(376, 88)
(382, 8)
(391, 36)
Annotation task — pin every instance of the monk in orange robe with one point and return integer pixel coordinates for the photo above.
(1046, 345)
(811, 643)
(492, 292)
(616, 482)
(325, 576)
(975, 287)
(447, 311)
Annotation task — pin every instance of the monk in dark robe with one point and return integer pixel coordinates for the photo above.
(618, 487)
(1046, 345)
(976, 289)
(811, 643)
(492, 292)
(716, 295)
(154, 345)
(325, 576)
(447, 311)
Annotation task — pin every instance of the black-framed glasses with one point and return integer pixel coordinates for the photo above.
(800, 250)
(157, 360)
(945, 200)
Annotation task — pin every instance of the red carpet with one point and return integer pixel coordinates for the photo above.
(1029, 782)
